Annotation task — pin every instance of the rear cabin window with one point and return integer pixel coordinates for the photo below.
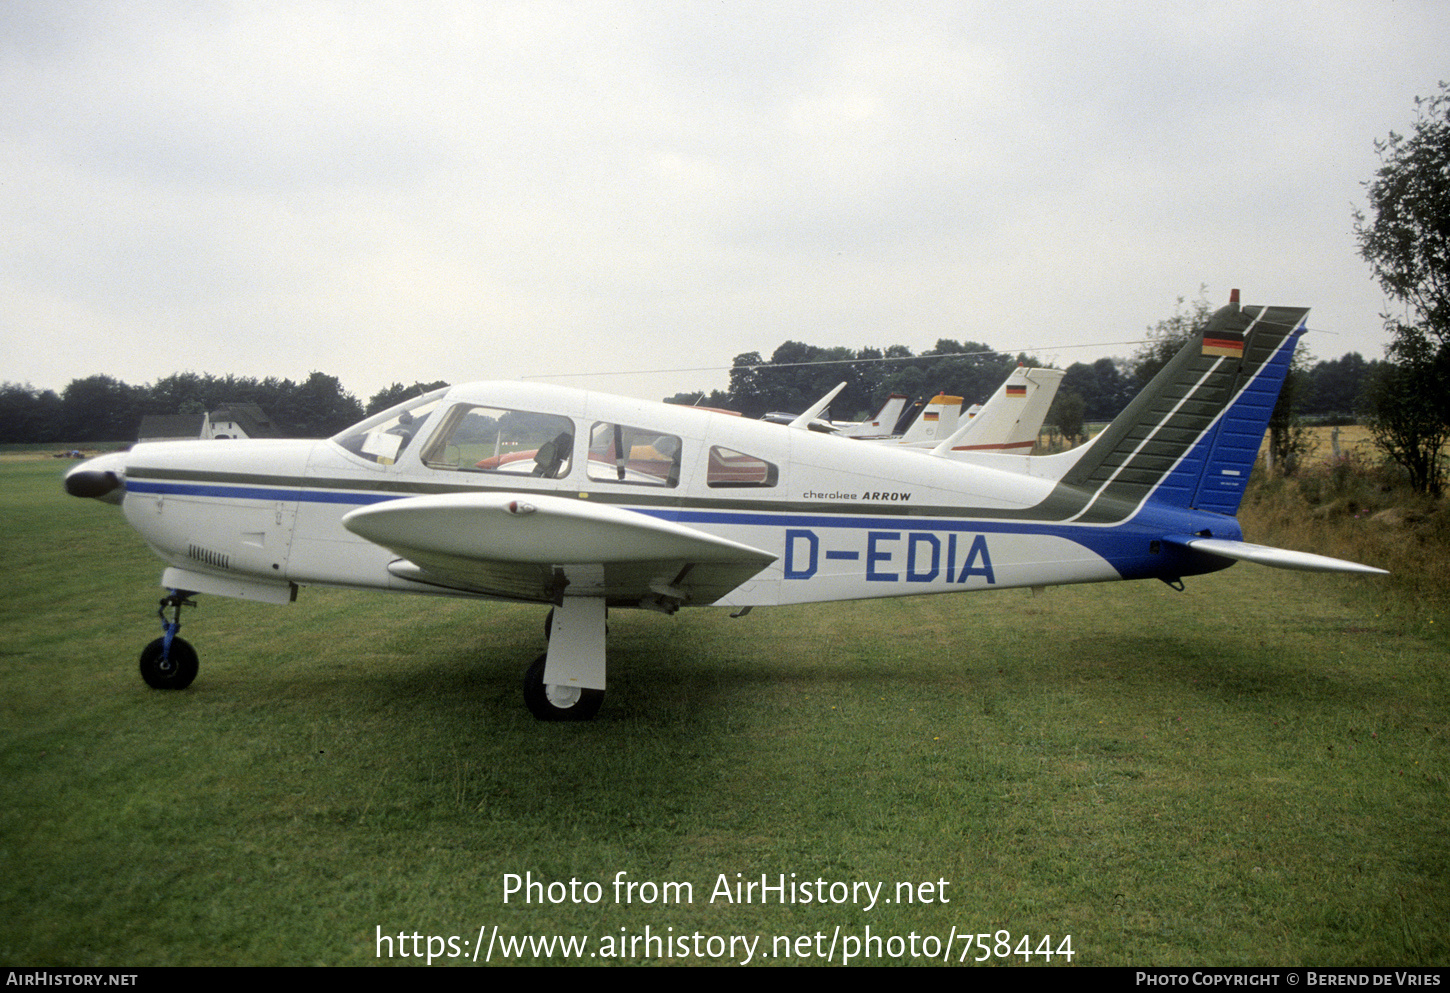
(475, 438)
(732, 469)
(622, 454)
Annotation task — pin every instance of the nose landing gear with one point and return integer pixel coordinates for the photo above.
(169, 663)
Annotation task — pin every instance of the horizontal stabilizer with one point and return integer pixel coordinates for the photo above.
(1279, 558)
(803, 422)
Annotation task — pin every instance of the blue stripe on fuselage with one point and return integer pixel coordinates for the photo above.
(1125, 546)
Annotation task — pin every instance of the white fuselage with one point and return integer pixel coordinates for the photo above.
(844, 520)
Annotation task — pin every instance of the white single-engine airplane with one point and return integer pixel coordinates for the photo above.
(625, 503)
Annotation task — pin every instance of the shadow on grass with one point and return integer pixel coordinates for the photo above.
(1227, 667)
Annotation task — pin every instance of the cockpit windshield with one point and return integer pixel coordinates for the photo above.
(383, 437)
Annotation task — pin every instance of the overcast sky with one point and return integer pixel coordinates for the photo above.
(426, 190)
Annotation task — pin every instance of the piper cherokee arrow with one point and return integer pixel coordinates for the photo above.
(586, 502)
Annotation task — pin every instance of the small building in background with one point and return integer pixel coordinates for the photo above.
(233, 420)
(240, 420)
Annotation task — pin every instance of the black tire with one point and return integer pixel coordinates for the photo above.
(558, 703)
(173, 673)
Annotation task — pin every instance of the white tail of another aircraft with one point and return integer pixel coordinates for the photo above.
(938, 420)
(1012, 418)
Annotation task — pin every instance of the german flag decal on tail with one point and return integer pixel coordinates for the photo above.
(1229, 344)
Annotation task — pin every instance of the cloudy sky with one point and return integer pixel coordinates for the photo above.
(429, 190)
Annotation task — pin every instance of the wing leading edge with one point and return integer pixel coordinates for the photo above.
(537, 547)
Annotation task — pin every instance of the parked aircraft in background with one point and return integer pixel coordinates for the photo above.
(936, 422)
(879, 425)
(1011, 419)
(624, 503)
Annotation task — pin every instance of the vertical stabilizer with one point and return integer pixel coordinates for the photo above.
(938, 420)
(1011, 419)
(1191, 437)
(880, 424)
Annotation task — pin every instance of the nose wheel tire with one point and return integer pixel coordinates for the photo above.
(557, 702)
(173, 670)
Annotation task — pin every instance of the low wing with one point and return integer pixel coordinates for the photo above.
(534, 547)
(1279, 558)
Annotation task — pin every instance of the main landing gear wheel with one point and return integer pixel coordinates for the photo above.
(168, 670)
(557, 703)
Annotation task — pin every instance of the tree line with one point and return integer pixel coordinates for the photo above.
(104, 409)
(797, 375)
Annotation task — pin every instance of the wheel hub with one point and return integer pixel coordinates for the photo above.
(562, 697)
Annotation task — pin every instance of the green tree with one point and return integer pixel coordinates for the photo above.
(714, 400)
(1406, 240)
(1406, 409)
(1066, 415)
(1104, 389)
(1334, 387)
(747, 392)
(28, 414)
(396, 394)
(1290, 442)
(322, 407)
(1168, 336)
(100, 408)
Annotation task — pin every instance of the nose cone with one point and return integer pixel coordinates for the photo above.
(102, 478)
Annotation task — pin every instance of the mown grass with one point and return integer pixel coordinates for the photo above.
(1251, 772)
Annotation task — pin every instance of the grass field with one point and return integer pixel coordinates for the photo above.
(1250, 772)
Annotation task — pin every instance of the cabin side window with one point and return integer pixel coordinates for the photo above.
(731, 469)
(622, 454)
(475, 438)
